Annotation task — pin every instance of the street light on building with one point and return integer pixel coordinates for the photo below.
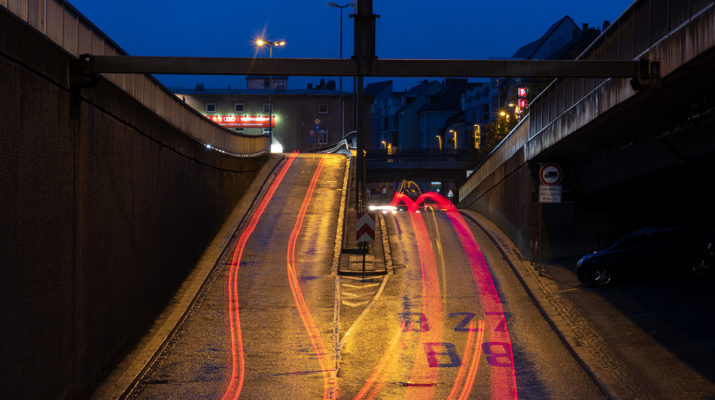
(341, 108)
(271, 45)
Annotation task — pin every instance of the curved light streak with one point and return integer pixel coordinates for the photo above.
(503, 379)
(329, 374)
(238, 365)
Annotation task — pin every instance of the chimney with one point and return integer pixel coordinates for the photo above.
(584, 27)
(606, 24)
(310, 86)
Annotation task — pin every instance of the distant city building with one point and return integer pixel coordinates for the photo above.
(564, 40)
(409, 134)
(303, 119)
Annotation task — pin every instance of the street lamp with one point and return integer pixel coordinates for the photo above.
(271, 45)
(439, 141)
(341, 111)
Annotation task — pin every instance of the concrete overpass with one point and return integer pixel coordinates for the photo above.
(630, 158)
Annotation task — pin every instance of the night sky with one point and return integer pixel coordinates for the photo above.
(462, 29)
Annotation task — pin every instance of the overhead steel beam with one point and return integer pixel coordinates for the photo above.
(379, 68)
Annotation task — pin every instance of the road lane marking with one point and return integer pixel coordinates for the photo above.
(367, 285)
(354, 304)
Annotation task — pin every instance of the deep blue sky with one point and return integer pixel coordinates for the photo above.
(464, 29)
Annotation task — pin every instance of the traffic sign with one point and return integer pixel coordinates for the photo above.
(365, 228)
(550, 193)
(550, 174)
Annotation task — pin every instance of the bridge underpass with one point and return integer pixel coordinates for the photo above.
(630, 159)
(89, 298)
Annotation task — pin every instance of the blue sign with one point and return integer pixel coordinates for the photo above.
(312, 140)
(316, 128)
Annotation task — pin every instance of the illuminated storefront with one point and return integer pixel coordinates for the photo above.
(290, 114)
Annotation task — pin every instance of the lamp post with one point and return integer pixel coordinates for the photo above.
(271, 45)
(341, 111)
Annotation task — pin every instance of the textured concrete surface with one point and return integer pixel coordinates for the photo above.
(105, 209)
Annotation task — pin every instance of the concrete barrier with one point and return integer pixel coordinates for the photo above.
(104, 209)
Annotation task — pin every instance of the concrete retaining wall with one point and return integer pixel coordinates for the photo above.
(104, 209)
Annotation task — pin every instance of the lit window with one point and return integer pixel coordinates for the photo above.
(323, 108)
(210, 107)
(266, 131)
(267, 108)
(323, 137)
(240, 130)
(239, 108)
(477, 136)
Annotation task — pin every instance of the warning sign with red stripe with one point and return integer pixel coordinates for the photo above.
(365, 227)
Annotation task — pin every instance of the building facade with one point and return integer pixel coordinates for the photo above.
(299, 119)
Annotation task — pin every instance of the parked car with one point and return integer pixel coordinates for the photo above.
(647, 252)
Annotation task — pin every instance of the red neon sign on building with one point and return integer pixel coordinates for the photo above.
(242, 121)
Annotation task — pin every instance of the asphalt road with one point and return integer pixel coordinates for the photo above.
(450, 321)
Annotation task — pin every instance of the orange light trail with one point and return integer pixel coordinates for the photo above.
(389, 355)
(238, 366)
(422, 383)
(474, 365)
(329, 376)
(502, 379)
(463, 368)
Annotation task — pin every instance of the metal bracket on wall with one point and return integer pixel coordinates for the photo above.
(81, 73)
(648, 75)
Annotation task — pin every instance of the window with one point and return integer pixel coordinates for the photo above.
(239, 108)
(323, 137)
(267, 108)
(477, 136)
(240, 130)
(210, 107)
(323, 108)
(266, 131)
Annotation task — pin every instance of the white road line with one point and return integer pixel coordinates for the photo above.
(356, 304)
(368, 285)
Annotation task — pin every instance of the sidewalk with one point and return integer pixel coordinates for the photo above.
(626, 337)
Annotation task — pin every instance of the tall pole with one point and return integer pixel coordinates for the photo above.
(342, 118)
(261, 43)
(341, 105)
(364, 56)
(270, 100)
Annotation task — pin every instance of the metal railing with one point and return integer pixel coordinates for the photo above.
(69, 29)
(505, 150)
(630, 37)
(642, 27)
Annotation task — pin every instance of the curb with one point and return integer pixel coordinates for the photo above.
(581, 344)
(129, 372)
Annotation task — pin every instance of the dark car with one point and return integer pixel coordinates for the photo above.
(646, 252)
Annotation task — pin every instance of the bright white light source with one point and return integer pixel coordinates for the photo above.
(276, 148)
(208, 146)
(382, 208)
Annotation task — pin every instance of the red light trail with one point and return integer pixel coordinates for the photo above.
(329, 373)
(237, 367)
